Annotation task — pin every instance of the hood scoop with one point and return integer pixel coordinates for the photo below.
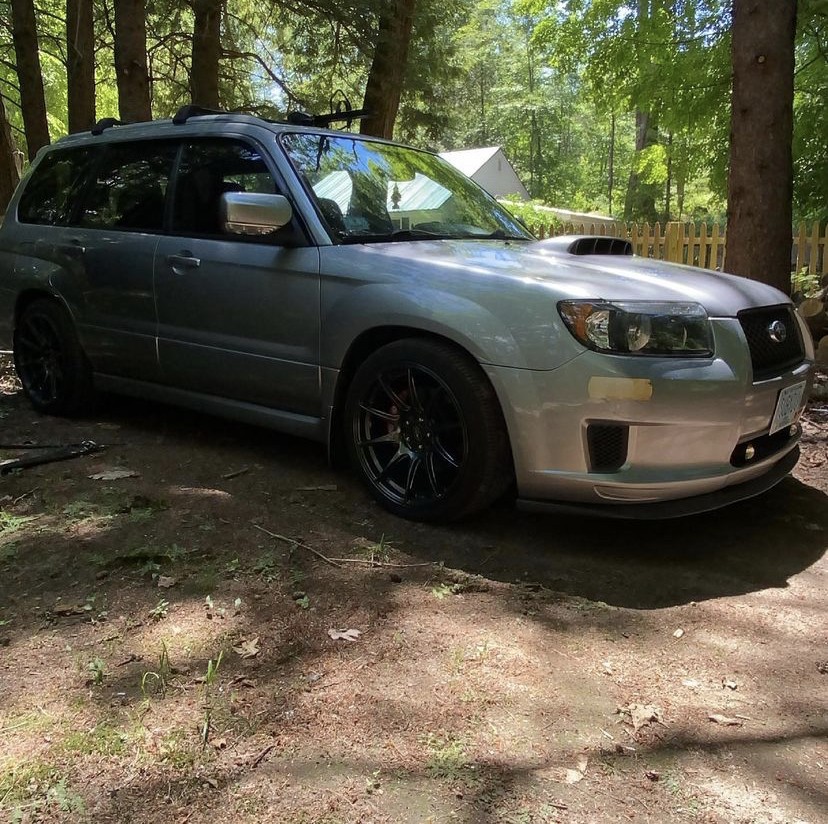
(587, 245)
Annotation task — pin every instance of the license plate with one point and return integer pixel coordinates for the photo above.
(787, 407)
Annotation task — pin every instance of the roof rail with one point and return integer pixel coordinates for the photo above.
(106, 123)
(192, 110)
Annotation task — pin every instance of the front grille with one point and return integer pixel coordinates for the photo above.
(607, 445)
(771, 357)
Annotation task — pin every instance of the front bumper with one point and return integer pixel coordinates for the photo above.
(678, 508)
(682, 418)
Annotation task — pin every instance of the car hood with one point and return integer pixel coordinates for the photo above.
(591, 277)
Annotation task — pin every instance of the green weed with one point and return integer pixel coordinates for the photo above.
(447, 757)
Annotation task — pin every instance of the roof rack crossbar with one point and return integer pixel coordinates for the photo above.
(324, 120)
(106, 123)
(192, 110)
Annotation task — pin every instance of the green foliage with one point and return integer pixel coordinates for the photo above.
(555, 83)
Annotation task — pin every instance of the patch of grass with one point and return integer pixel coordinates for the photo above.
(160, 610)
(177, 749)
(441, 591)
(11, 523)
(37, 791)
(447, 757)
(159, 678)
(102, 739)
(373, 550)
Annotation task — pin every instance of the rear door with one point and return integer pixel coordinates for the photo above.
(238, 316)
(112, 237)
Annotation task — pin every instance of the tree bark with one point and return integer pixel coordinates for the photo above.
(32, 100)
(204, 70)
(131, 61)
(641, 197)
(80, 64)
(385, 78)
(9, 175)
(760, 181)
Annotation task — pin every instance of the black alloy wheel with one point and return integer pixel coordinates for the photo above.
(50, 362)
(426, 432)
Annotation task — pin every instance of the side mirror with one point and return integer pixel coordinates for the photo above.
(254, 213)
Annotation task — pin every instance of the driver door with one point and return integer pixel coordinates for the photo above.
(238, 316)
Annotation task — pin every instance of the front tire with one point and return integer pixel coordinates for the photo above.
(425, 432)
(50, 361)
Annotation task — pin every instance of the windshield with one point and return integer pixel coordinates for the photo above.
(374, 192)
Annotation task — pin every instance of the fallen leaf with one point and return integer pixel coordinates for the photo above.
(115, 475)
(165, 581)
(678, 633)
(573, 776)
(728, 684)
(219, 743)
(344, 634)
(583, 761)
(725, 720)
(690, 682)
(652, 775)
(822, 667)
(248, 649)
(641, 714)
(211, 782)
(607, 668)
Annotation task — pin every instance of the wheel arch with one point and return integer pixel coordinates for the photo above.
(28, 296)
(361, 347)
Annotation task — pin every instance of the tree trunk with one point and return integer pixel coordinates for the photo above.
(611, 164)
(80, 64)
(760, 182)
(9, 175)
(131, 61)
(32, 101)
(385, 79)
(641, 197)
(204, 71)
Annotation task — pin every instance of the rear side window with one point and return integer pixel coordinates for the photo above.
(51, 193)
(208, 169)
(130, 187)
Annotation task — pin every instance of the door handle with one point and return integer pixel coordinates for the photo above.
(183, 262)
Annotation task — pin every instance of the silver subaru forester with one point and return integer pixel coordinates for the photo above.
(367, 295)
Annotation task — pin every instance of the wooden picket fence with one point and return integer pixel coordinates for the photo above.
(698, 245)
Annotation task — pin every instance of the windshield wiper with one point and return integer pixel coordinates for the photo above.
(499, 234)
(396, 235)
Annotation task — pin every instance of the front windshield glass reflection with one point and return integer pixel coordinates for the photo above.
(374, 192)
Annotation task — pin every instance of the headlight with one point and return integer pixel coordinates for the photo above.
(640, 327)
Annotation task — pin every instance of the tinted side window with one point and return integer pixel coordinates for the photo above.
(130, 187)
(208, 169)
(52, 191)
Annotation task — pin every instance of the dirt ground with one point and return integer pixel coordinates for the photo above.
(166, 650)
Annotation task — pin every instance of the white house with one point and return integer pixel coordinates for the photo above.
(490, 169)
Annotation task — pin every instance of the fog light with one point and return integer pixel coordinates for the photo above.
(749, 452)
